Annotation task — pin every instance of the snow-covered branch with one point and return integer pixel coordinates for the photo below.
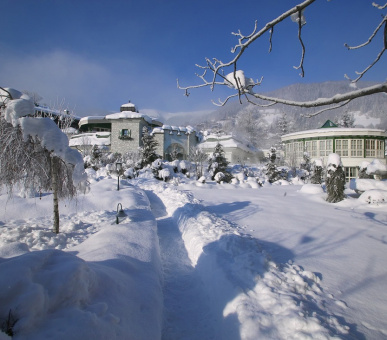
(214, 71)
(339, 98)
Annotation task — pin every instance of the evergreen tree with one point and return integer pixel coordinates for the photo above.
(335, 180)
(317, 174)
(218, 163)
(148, 149)
(272, 172)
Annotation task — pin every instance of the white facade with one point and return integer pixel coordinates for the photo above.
(235, 151)
(354, 145)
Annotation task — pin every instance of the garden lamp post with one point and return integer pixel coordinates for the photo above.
(120, 213)
(118, 168)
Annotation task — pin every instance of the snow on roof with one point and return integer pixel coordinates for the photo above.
(335, 132)
(157, 130)
(97, 138)
(128, 105)
(227, 141)
(188, 130)
(129, 115)
(86, 120)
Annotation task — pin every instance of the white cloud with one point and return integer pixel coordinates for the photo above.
(54, 75)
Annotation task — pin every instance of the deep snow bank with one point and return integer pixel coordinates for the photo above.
(251, 297)
(107, 287)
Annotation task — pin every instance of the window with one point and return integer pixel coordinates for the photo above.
(350, 172)
(374, 148)
(356, 148)
(342, 147)
(311, 148)
(125, 134)
(295, 149)
(325, 147)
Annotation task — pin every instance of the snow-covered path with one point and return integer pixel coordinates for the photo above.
(243, 294)
(186, 310)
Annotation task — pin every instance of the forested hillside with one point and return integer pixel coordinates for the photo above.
(263, 126)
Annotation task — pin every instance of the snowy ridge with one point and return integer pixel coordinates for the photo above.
(250, 296)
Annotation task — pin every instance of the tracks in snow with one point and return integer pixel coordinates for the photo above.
(186, 310)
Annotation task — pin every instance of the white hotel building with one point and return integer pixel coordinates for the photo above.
(354, 145)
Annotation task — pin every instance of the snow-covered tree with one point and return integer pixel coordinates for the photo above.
(272, 172)
(34, 153)
(346, 120)
(283, 124)
(317, 172)
(218, 163)
(247, 127)
(215, 73)
(198, 157)
(148, 149)
(363, 170)
(335, 179)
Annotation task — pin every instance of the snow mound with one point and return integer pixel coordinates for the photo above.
(364, 184)
(374, 197)
(312, 189)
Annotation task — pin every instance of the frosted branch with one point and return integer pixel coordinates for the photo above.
(339, 98)
(309, 115)
(370, 38)
(271, 39)
(214, 69)
(301, 66)
(379, 6)
(362, 73)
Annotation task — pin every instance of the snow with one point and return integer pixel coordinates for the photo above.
(193, 262)
(47, 132)
(377, 167)
(227, 141)
(238, 80)
(364, 184)
(129, 115)
(97, 138)
(334, 161)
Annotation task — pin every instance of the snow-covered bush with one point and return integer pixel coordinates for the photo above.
(363, 170)
(317, 172)
(184, 166)
(202, 179)
(130, 173)
(219, 176)
(377, 169)
(335, 179)
(164, 174)
(374, 197)
(364, 184)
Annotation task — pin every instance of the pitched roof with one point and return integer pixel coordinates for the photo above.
(328, 124)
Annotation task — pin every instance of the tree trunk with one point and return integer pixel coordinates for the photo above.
(54, 176)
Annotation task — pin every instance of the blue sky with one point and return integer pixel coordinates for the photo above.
(98, 55)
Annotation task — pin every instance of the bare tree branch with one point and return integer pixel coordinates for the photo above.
(244, 86)
(379, 6)
(301, 66)
(339, 98)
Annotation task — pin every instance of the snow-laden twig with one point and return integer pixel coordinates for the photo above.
(379, 6)
(301, 66)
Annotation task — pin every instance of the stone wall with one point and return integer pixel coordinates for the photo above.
(125, 145)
